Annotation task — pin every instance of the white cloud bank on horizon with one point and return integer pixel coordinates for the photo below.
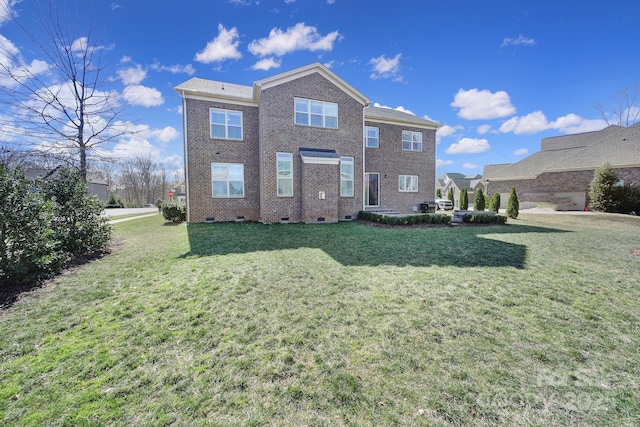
(537, 122)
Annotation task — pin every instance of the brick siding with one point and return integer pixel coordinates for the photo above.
(391, 161)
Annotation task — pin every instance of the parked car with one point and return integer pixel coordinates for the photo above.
(444, 204)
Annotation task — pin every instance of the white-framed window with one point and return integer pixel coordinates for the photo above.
(372, 137)
(225, 124)
(316, 113)
(346, 176)
(408, 184)
(285, 174)
(411, 141)
(227, 180)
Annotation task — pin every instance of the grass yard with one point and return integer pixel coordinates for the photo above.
(533, 323)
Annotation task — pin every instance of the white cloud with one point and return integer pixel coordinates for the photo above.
(477, 104)
(469, 146)
(223, 47)
(518, 41)
(482, 129)
(537, 122)
(384, 68)
(143, 96)
(6, 10)
(470, 166)
(298, 37)
(175, 69)
(132, 75)
(142, 131)
(135, 147)
(267, 64)
(441, 162)
(446, 130)
(521, 152)
(13, 70)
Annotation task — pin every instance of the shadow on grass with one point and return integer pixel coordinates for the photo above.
(354, 244)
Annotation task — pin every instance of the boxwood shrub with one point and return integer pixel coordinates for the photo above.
(404, 220)
(484, 219)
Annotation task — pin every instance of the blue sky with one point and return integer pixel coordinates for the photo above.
(498, 75)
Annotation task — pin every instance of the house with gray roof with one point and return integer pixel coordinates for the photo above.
(457, 182)
(561, 172)
(300, 146)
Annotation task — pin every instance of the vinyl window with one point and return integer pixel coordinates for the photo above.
(411, 141)
(346, 176)
(372, 137)
(316, 113)
(285, 174)
(227, 180)
(226, 124)
(408, 184)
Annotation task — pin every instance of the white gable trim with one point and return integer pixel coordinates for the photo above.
(292, 75)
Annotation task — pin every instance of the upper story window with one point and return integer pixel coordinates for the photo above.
(316, 113)
(372, 137)
(226, 124)
(411, 141)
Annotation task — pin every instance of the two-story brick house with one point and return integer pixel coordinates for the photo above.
(301, 146)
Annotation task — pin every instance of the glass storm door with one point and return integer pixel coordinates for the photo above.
(372, 189)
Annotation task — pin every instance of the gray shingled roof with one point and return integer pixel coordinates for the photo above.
(490, 171)
(373, 113)
(616, 145)
(578, 139)
(618, 149)
(212, 87)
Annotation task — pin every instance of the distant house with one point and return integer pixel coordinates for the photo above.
(300, 146)
(457, 182)
(96, 187)
(561, 172)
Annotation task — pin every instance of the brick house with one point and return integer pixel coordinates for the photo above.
(561, 172)
(300, 146)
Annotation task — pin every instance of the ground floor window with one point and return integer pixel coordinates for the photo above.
(227, 180)
(408, 183)
(346, 176)
(285, 174)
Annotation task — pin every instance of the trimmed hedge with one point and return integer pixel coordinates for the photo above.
(484, 219)
(404, 220)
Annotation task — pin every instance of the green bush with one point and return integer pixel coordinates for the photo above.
(484, 219)
(78, 222)
(28, 249)
(174, 212)
(451, 196)
(404, 220)
(494, 203)
(513, 205)
(606, 195)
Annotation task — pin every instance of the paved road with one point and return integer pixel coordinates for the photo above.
(141, 211)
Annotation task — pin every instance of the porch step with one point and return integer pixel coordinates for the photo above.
(383, 211)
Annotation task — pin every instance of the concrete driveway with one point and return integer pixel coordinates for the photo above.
(124, 211)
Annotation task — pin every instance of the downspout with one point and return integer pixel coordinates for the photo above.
(186, 156)
(363, 159)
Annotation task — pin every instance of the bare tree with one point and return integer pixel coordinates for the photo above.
(60, 103)
(625, 109)
(140, 181)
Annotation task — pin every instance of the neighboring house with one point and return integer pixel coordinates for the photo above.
(561, 172)
(301, 146)
(457, 182)
(96, 187)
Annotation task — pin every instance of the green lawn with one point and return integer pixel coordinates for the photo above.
(532, 323)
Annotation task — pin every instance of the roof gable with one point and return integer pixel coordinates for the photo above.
(307, 70)
(388, 115)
